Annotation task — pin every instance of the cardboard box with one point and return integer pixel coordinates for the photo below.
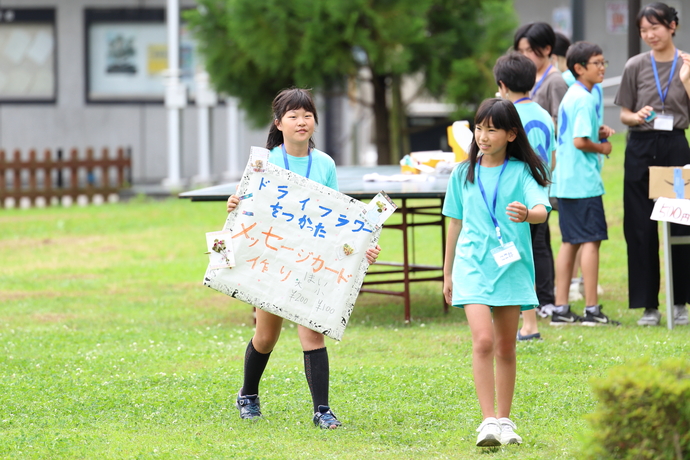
(665, 181)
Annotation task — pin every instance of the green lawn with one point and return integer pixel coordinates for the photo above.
(112, 348)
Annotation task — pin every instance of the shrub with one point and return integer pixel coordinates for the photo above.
(643, 412)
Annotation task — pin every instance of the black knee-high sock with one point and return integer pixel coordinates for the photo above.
(254, 365)
(316, 370)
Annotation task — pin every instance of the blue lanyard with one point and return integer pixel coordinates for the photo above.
(663, 94)
(583, 85)
(287, 165)
(492, 210)
(541, 80)
(522, 99)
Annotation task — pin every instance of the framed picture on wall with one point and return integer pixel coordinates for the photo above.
(28, 65)
(127, 55)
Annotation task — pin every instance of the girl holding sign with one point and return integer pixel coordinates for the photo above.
(291, 145)
(654, 102)
(488, 270)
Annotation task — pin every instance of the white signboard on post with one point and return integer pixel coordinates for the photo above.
(299, 247)
(672, 210)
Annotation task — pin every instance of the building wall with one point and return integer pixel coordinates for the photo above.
(71, 122)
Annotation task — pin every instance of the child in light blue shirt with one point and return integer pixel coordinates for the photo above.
(515, 76)
(578, 184)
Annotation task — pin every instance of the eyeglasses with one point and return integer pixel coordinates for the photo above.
(602, 64)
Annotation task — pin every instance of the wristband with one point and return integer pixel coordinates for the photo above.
(526, 215)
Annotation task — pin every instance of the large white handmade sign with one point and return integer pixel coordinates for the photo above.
(299, 247)
(672, 210)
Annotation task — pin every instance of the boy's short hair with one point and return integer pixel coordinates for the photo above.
(516, 71)
(562, 45)
(538, 34)
(579, 53)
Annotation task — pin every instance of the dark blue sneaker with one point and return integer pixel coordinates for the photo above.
(325, 418)
(249, 406)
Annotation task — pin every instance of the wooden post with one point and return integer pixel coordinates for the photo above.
(32, 166)
(74, 173)
(48, 176)
(3, 184)
(17, 176)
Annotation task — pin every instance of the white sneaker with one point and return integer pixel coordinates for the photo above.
(508, 434)
(651, 317)
(489, 433)
(574, 294)
(680, 315)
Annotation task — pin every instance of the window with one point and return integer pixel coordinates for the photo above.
(28, 71)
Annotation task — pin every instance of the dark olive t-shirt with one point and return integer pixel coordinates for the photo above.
(638, 89)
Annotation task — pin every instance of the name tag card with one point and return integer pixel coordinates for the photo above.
(506, 254)
(663, 122)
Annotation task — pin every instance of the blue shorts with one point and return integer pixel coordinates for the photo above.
(582, 220)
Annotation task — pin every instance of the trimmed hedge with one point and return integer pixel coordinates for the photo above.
(643, 412)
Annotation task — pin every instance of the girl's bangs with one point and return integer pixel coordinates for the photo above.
(299, 100)
(493, 111)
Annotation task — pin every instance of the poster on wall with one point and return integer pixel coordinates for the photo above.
(27, 55)
(298, 247)
(127, 55)
(562, 20)
(617, 17)
(127, 61)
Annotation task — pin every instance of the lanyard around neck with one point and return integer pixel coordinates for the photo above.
(541, 80)
(583, 85)
(287, 165)
(521, 99)
(663, 94)
(492, 209)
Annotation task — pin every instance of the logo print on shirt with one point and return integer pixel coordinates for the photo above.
(563, 122)
(542, 150)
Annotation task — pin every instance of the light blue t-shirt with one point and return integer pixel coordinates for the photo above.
(597, 91)
(477, 278)
(322, 166)
(540, 130)
(578, 173)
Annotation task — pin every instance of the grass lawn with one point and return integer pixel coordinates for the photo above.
(112, 348)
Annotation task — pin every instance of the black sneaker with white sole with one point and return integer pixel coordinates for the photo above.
(566, 318)
(598, 319)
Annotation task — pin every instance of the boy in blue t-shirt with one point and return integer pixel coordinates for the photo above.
(578, 184)
(515, 75)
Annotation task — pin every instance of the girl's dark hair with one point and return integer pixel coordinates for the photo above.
(286, 100)
(539, 35)
(516, 71)
(562, 44)
(503, 115)
(658, 13)
(580, 53)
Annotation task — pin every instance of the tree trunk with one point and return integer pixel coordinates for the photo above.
(395, 119)
(381, 120)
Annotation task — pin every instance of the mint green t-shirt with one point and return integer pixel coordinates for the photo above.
(322, 166)
(597, 91)
(577, 173)
(539, 128)
(477, 278)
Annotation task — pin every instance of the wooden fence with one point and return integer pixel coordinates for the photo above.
(58, 176)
